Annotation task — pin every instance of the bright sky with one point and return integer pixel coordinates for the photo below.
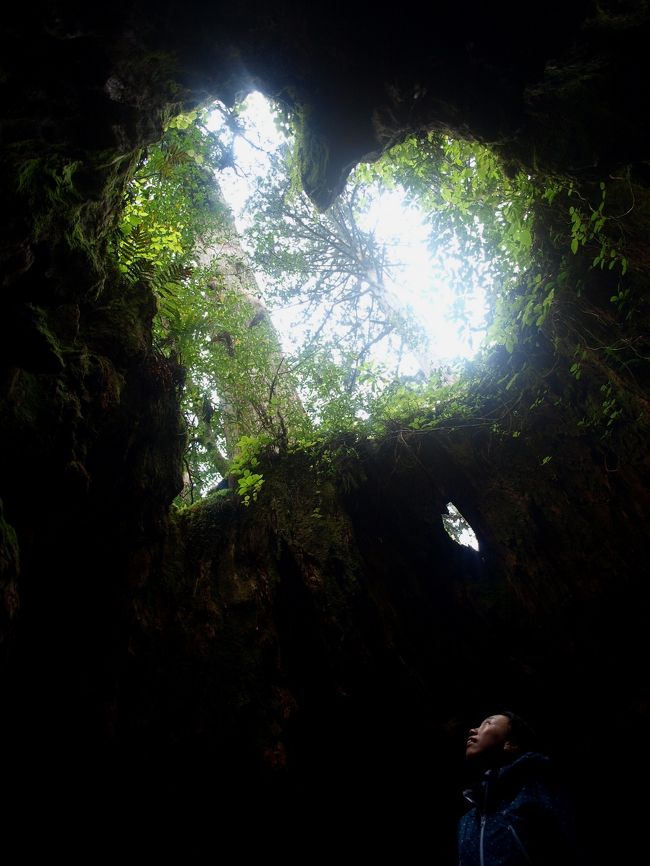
(393, 221)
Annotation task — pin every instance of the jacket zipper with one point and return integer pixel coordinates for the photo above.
(484, 810)
(519, 842)
(481, 853)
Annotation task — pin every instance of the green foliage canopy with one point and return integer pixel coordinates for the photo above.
(486, 228)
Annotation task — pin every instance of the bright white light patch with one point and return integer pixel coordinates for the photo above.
(458, 528)
(416, 280)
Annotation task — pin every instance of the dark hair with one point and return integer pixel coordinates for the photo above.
(521, 733)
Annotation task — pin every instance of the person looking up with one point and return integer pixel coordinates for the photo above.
(518, 813)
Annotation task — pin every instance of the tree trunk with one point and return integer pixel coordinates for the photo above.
(257, 395)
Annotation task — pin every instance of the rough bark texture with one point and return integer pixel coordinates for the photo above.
(263, 401)
(284, 675)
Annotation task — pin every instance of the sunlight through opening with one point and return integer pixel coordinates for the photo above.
(458, 529)
(415, 274)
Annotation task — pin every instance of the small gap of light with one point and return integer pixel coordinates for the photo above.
(458, 529)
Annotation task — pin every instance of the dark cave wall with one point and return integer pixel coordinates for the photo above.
(306, 661)
(327, 673)
(259, 666)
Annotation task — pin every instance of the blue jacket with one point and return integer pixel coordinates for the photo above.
(518, 817)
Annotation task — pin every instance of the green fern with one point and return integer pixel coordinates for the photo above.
(166, 284)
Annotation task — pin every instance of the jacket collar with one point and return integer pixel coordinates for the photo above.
(493, 780)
